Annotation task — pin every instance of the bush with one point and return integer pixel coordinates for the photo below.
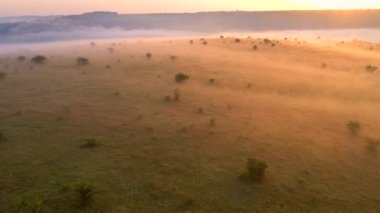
(211, 80)
(85, 193)
(237, 40)
(2, 75)
(353, 127)
(148, 55)
(111, 50)
(173, 58)
(204, 42)
(200, 110)
(191, 42)
(181, 77)
(371, 68)
(90, 143)
(255, 47)
(212, 122)
(255, 170)
(372, 145)
(39, 59)
(81, 61)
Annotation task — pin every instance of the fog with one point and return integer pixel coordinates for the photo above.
(117, 33)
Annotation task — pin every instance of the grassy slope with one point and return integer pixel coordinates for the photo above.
(165, 157)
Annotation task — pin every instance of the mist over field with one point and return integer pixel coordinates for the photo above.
(204, 112)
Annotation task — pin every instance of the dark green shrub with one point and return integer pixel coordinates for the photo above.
(181, 77)
(39, 59)
(255, 170)
(353, 127)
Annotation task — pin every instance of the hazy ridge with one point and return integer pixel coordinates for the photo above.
(102, 24)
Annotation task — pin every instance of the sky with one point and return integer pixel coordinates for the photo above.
(63, 7)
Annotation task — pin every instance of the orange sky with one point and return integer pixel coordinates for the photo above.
(54, 7)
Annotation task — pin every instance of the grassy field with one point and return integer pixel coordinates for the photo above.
(109, 136)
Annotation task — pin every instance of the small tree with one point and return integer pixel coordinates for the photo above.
(39, 59)
(181, 77)
(81, 61)
(353, 127)
(255, 170)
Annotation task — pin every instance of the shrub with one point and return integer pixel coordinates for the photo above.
(111, 50)
(372, 145)
(353, 127)
(86, 193)
(211, 80)
(204, 42)
(191, 42)
(148, 55)
(324, 65)
(2, 75)
(371, 68)
(255, 170)
(222, 37)
(90, 143)
(200, 110)
(173, 58)
(255, 47)
(39, 59)
(81, 61)
(237, 40)
(181, 77)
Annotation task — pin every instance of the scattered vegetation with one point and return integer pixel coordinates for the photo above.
(211, 81)
(200, 110)
(181, 77)
(81, 61)
(173, 58)
(353, 127)
(111, 50)
(237, 40)
(255, 170)
(39, 59)
(255, 47)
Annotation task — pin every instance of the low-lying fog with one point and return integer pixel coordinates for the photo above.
(371, 35)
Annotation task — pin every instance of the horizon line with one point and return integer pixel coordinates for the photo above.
(211, 11)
